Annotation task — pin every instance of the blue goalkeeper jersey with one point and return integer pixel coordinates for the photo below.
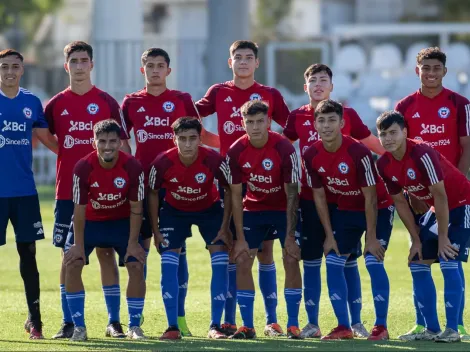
(18, 117)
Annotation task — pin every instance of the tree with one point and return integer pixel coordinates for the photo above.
(269, 14)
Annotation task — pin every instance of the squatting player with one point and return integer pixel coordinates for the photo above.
(344, 167)
(444, 233)
(187, 173)
(108, 189)
(267, 162)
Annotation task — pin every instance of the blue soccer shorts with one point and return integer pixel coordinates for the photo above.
(63, 213)
(260, 225)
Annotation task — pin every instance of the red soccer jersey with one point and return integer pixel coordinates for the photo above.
(439, 121)
(151, 118)
(107, 192)
(300, 126)
(344, 172)
(188, 188)
(421, 167)
(226, 99)
(71, 118)
(265, 170)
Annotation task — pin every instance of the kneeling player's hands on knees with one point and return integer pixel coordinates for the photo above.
(241, 246)
(158, 238)
(374, 247)
(75, 252)
(291, 247)
(415, 249)
(446, 250)
(135, 250)
(330, 245)
(224, 235)
(418, 206)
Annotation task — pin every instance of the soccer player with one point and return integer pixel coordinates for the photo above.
(226, 100)
(444, 232)
(21, 113)
(440, 118)
(108, 189)
(187, 173)
(71, 115)
(267, 162)
(300, 126)
(344, 167)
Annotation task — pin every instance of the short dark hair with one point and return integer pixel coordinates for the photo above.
(244, 44)
(316, 68)
(11, 52)
(328, 106)
(186, 123)
(254, 107)
(107, 126)
(75, 46)
(431, 53)
(388, 118)
(154, 52)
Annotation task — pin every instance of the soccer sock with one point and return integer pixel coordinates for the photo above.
(425, 292)
(353, 282)
(452, 292)
(293, 299)
(67, 317)
(380, 288)
(337, 288)
(246, 299)
(112, 297)
(219, 285)
(462, 304)
(135, 307)
(231, 301)
(312, 289)
(169, 284)
(145, 265)
(30, 275)
(268, 287)
(419, 316)
(76, 302)
(183, 277)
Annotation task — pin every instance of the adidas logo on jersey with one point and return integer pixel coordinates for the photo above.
(166, 295)
(335, 297)
(65, 112)
(379, 298)
(272, 296)
(174, 180)
(141, 109)
(416, 116)
(247, 165)
(394, 179)
(40, 232)
(95, 185)
(307, 123)
(228, 99)
(321, 169)
(219, 298)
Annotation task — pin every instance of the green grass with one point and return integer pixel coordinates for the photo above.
(13, 306)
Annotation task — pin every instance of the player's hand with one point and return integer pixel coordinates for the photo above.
(74, 253)
(224, 235)
(374, 247)
(415, 248)
(446, 250)
(330, 245)
(418, 206)
(158, 239)
(135, 250)
(241, 246)
(291, 247)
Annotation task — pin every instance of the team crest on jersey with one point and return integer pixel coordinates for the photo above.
(343, 168)
(411, 173)
(444, 112)
(200, 177)
(28, 113)
(165, 243)
(267, 164)
(168, 106)
(93, 108)
(119, 182)
(255, 96)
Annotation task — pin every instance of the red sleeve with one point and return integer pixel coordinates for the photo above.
(290, 162)
(218, 167)
(81, 174)
(116, 114)
(207, 106)
(365, 169)
(234, 171)
(392, 187)
(49, 113)
(403, 105)
(290, 131)
(189, 106)
(127, 125)
(427, 161)
(136, 191)
(313, 177)
(158, 168)
(463, 116)
(358, 129)
(280, 110)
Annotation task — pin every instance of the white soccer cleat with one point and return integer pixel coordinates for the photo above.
(359, 330)
(79, 334)
(448, 335)
(135, 333)
(411, 335)
(310, 331)
(427, 335)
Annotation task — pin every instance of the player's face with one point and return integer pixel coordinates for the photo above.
(431, 72)
(256, 126)
(318, 86)
(79, 66)
(188, 143)
(107, 145)
(329, 126)
(11, 70)
(243, 63)
(155, 70)
(392, 138)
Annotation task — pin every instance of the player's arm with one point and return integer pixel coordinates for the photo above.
(42, 129)
(280, 110)
(463, 128)
(373, 144)
(126, 147)
(464, 162)
(155, 183)
(46, 138)
(362, 133)
(136, 195)
(220, 173)
(290, 131)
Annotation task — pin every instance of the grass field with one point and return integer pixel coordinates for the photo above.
(13, 305)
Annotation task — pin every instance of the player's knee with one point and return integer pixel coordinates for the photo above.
(135, 269)
(106, 255)
(74, 268)
(291, 263)
(244, 263)
(266, 256)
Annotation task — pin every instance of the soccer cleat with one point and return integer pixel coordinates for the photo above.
(448, 335)
(379, 333)
(341, 332)
(215, 332)
(310, 331)
(244, 333)
(359, 330)
(34, 330)
(172, 333)
(79, 334)
(65, 331)
(411, 335)
(293, 332)
(184, 327)
(273, 330)
(464, 336)
(427, 335)
(115, 330)
(135, 333)
(228, 329)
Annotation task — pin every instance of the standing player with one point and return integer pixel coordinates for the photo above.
(268, 164)
(108, 189)
(444, 232)
(226, 100)
(300, 126)
(71, 115)
(21, 113)
(441, 118)
(187, 173)
(342, 166)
